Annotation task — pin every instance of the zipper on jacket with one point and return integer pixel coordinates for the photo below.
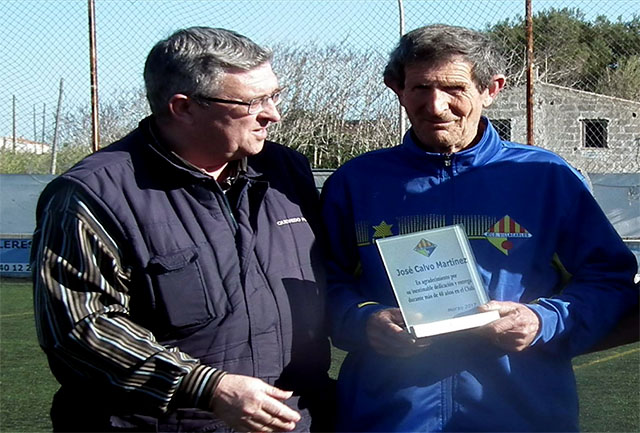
(230, 214)
(448, 175)
(226, 205)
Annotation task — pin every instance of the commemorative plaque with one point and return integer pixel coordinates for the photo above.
(434, 277)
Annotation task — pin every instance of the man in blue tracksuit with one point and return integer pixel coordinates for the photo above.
(553, 266)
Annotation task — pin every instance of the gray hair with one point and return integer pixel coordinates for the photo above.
(192, 61)
(437, 43)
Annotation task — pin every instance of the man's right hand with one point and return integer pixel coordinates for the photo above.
(248, 404)
(387, 335)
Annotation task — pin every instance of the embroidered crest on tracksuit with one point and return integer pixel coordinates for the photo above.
(505, 233)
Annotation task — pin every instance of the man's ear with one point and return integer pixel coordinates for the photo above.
(497, 84)
(181, 108)
(395, 86)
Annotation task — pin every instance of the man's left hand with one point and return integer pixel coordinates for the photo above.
(516, 328)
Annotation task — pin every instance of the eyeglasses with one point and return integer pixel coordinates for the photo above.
(256, 105)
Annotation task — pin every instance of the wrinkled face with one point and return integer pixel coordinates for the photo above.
(227, 132)
(443, 104)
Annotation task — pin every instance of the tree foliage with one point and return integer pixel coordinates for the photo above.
(30, 163)
(337, 106)
(119, 114)
(571, 51)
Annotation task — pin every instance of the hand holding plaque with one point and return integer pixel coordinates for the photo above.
(435, 280)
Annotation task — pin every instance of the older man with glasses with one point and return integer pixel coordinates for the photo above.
(178, 282)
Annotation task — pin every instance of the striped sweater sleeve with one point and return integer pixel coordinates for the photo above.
(81, 301)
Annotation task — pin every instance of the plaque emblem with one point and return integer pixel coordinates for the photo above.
(425, 247)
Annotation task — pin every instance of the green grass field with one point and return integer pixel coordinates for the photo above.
(608, 381)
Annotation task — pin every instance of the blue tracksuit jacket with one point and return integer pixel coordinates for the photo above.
(539, 238)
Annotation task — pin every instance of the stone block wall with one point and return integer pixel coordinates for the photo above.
(559, 113)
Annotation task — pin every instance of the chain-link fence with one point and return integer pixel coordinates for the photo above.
(331, 55)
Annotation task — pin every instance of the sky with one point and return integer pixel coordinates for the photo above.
(44, 41)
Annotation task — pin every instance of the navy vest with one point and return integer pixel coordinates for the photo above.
(236, 283)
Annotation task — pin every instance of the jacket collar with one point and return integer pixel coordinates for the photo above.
(478, 155)
(175, 161)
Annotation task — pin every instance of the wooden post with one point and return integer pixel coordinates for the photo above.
(14, 123)
(35, 126)
(54, 143)
(44, 114)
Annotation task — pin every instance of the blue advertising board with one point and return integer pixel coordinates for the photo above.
(14, 255)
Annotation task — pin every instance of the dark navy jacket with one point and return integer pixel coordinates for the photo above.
(234, 281)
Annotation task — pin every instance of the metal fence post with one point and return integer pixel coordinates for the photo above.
(402, 116)
(95, 125)
(529, 27)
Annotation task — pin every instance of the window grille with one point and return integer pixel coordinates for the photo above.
(594, 133)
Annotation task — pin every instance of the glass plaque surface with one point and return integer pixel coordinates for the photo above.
(434, 277)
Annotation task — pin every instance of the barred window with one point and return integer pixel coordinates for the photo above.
(595, 133)
(503, 126)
